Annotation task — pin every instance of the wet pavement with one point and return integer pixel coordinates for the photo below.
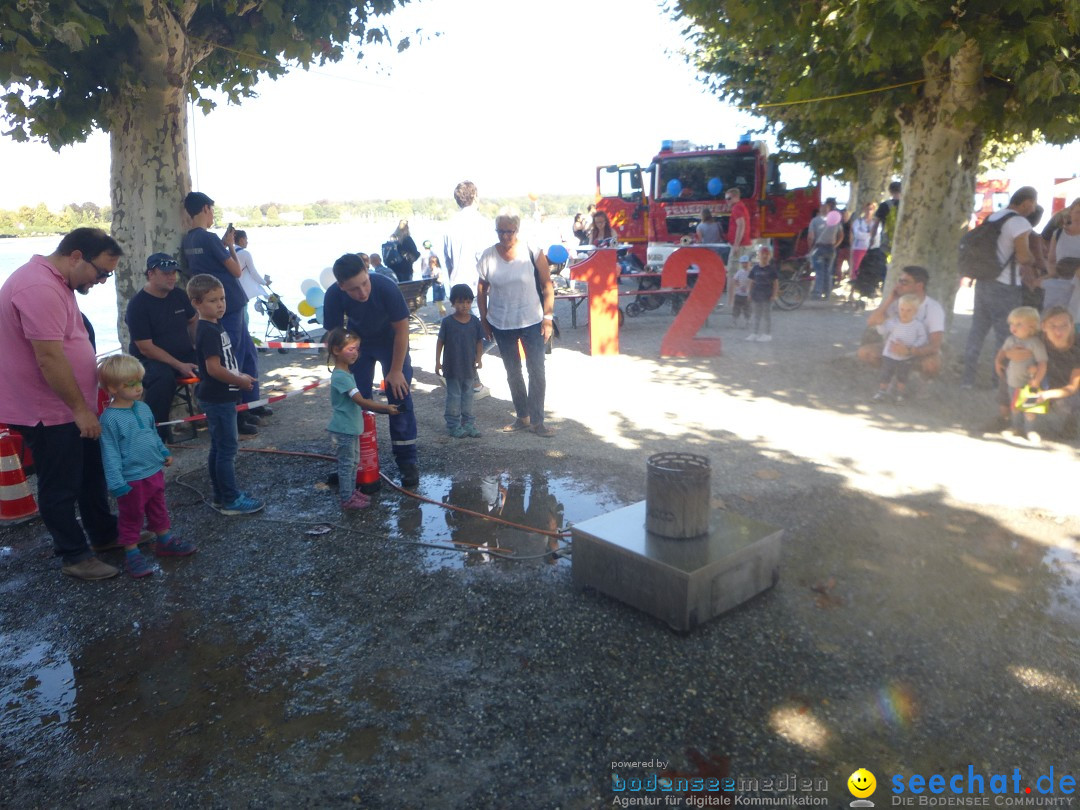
(307, 659)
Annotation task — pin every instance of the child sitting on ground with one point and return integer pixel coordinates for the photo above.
(902, 334)
(739, 292)
(461, 336)
(1024, 324)
(133, 457)
(218, 392)
(347, 423)
(1058, 288)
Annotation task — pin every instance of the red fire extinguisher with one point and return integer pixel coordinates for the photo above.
(367, 474)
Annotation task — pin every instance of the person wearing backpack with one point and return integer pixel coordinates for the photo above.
(998, 272)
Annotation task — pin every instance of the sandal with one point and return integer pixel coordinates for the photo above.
(517, 424)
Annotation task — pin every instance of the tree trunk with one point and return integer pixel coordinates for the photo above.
(874, 162)
(941, 150)
(148, 135)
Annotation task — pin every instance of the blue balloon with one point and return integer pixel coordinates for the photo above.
(315, 296)
(674, 187)
(715, 186)
(318, 314)
(557, 254)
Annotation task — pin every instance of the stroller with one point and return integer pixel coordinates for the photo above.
(867, 283)
(282, 324)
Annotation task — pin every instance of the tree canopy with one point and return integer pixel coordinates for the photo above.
(128, 67)
(947, 77)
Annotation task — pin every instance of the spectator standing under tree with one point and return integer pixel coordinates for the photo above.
(884, 225)
(206, 253)
(995, 298)
(50, 390)
(161, 321)
(861, 228)
(468, 235)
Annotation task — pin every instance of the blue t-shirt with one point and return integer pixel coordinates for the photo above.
(348, 417)
(370, 319)
(459, 346)
(206, 253)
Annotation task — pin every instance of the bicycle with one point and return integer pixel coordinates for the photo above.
(795, 279)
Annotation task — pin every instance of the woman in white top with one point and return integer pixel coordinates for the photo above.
(516, 301)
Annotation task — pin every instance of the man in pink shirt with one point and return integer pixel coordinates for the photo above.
(50, 391)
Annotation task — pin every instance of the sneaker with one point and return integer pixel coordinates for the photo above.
(358, 500)
(243, 505)
(1034, 438)
(764, 338)
(880, 396)
(481, 391)
(456, 432)
(542, 430)
(752, 336)
(410, 475)
(136, 565)
(516, 425)
(472, 431)
(172, 546)
(90, 569)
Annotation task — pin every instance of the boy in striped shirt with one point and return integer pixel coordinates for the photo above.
(134, 457)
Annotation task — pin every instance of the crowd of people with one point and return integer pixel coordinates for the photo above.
(96, 429)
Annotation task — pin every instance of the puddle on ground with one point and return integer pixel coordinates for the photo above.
(194, 692)
(37, 691)
(531, 500)
(1065, 595)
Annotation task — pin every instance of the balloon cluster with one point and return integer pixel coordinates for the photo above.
(314, 294)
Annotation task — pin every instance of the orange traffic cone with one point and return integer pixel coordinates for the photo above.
(16, 502)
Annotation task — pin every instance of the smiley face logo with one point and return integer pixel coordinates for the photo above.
(862, 783)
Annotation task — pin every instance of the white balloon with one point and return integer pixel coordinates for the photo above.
(307, 284)
(326, 277)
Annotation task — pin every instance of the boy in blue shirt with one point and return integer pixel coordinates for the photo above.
(459, 351)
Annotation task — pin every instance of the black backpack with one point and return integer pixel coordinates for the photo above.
(978, 257)
(391, 254)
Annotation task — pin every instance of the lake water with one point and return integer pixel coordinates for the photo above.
(288, 254)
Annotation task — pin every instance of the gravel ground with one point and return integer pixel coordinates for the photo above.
(925, 620)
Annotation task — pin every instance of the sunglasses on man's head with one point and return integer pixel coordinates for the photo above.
(170, 266)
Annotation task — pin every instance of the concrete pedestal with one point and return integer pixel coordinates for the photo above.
(681, 582)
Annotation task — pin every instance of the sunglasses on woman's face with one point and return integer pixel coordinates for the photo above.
(504, 231)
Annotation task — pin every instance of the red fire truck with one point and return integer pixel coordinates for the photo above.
(657, 208)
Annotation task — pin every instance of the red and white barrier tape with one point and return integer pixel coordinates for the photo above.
(246, 406)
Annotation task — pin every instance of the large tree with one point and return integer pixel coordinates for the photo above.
(128, 67)
(971, 70)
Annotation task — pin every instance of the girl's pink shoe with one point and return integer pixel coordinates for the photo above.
(358, 500)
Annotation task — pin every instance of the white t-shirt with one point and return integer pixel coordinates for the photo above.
(513, 302)
(911, 334)
(741, 280)
(468, 235)
(860, 234)
(930, 313)
(250, 279)
(1015, 226)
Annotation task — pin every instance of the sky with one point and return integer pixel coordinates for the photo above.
(517, 97)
